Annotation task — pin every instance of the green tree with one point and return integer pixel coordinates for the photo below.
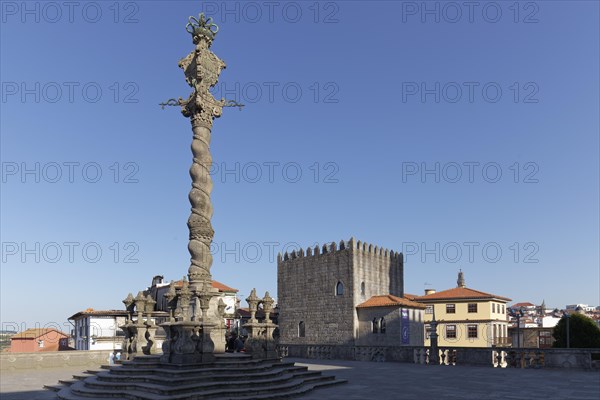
(584, 332)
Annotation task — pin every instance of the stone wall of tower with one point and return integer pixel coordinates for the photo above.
(381, 270)
(306, 289)
(378, 270)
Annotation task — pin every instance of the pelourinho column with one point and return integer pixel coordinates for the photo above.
(194, 332)
(202, 69)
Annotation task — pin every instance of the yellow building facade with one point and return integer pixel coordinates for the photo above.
(466, 317)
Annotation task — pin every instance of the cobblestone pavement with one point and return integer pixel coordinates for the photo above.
(370, 380)
(28, 384)
(382, 381)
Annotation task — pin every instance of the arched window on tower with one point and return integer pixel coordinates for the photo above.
(339, 289)
(362, 288)
(381, 325)
(301, 329)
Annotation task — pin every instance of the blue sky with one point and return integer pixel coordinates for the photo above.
(465, 138)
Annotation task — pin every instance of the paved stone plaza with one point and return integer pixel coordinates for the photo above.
(382, 381)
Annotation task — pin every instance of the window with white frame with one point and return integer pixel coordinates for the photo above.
(472, 331)
(450, 331)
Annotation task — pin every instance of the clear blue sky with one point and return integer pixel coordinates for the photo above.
(388, 91)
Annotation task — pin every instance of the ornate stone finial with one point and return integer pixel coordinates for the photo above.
(253, 297)
(461, 279)
(150, 302)
(129, 300)
(253, 301)
(267, 306)
(140, 298)
(140, 304)
(185, 287)
(172, 293)
(202, 28)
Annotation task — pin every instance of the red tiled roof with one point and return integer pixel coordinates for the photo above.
(34, 333)
(389, 300)
(460, 293)
(222, 287)
(91, 311)
(217, 285)
(517, 305)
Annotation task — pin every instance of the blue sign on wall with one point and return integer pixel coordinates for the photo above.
(405, 327)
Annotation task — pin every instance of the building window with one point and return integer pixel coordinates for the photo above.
(503, 310)
(472, 331)
(472, 307)
(427, 331)
(450, 331)
(362, 288)
(429, 310)
(451, 308)
(40, 343)
(382, 325)
(375, 325)
(494, 307)
(301, 329)
(339, 289)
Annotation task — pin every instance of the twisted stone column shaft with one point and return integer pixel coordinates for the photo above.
(201, 231)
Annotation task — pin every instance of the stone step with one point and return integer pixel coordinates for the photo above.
(91, 371)
(150, 361)
(170, 390)
(54, 388)
(280, 394)
(229, 377)
(167, 370)
(80, 390)
(301, 391)
(232, 356)
(81, 377)
(176, 379)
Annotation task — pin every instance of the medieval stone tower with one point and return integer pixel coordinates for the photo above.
(319, 289)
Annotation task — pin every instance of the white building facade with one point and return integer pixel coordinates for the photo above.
(97, 330)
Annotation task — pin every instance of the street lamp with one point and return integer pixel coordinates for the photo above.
(517, 314)
(568, 317)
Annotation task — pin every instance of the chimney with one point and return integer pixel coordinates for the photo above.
(429, 291)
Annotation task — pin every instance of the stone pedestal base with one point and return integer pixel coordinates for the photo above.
(260, 344)
(188, 342)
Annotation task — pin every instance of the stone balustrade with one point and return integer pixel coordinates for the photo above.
(496, 357)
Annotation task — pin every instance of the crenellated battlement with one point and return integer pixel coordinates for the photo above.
(348, 246)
